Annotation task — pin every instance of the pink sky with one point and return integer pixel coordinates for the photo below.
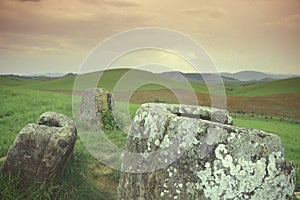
(42, 36)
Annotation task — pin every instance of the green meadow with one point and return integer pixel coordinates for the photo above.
(23, 101)
(285, 86)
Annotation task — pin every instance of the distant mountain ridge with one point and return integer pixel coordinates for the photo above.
(245, 76)
(110, 77)
(194, 77)
(257, 76)
(47, 76)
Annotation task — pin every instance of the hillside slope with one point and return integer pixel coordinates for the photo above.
(196, 77)
(256, 76)
(144, 80)
(284, 86)
(15, 81)
(138, 78)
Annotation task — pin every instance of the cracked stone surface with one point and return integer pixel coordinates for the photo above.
(215, 160)
(94, 102)
(41, 151)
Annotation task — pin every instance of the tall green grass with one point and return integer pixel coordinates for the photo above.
(22, 106)
(19, 107)
(74, 184)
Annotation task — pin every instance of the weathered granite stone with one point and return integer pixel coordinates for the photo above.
(41, 151)
(95, 101)
(213, 160)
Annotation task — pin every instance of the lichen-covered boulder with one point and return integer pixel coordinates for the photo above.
(41, 151)
(95, 101)
(174, 154)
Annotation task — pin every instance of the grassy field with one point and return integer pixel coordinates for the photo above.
(19, 107)
(22, 101)
(14, 81)
(285, 86)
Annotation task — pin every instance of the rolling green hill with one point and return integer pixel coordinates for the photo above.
(109, 79)
(284, 86)
(15, 81)
(64, 83)
(142, 79)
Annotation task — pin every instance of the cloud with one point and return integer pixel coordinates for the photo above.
(29, 0)
(73, 27)
(210, 12)
(120, 4)
(33, 44)
(291, 22)
(64, 27)
(59, 18)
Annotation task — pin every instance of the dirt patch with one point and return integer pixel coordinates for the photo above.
(281, 105)
(103, 177)
(3, 159)
(297, 194)
(286, 106)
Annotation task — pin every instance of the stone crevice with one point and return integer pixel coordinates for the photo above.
(42, 153)
(218, 161)
(36, 155)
